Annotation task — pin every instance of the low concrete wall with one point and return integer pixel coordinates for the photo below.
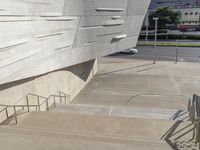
(68, 80)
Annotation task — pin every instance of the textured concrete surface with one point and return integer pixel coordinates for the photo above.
(41, 36)
(128, 99)
(130, 104)
(23, 140)
(68, 80)
(123, 111)
(61, 130)
(93, 125)
(124, 81)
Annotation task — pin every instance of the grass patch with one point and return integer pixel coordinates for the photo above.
(171, 44)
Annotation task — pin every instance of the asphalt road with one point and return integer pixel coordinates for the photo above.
(185, 54)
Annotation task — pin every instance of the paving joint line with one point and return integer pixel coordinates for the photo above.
(110, 111)
(172, 78)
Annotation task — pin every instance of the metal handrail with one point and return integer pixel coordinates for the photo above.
(46, 100)
(2, 109)
(6, 110)
(193, 108)
(3, 105)
(29, 94)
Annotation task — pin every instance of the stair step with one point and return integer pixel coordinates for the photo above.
(123, 127)
(123, 111)
(21, 139)
(79, 136)
(11, 120)
(81, 132)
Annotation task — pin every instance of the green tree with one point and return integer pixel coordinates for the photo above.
(167, 18)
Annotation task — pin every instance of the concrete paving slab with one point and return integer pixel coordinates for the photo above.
(123, 111)
(21, 141)
(173, 83)
(123, 127)
(51, 130)
(137, 100)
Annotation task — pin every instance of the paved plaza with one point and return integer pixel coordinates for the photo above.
(122, 81)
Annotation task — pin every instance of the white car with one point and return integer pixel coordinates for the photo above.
(130, 51)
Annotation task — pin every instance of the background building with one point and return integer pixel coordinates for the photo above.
(189, 10)
(190, 18)
(198, 3)
(185, 3)
(155, 4)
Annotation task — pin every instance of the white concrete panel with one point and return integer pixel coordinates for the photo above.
(30, 7)
(39, 36)
(79, 7)
(133, 24)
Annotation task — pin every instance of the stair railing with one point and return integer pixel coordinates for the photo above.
(40, 101)
(5, 109)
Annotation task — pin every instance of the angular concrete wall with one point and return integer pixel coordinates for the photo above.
(68, 80)
(40, 36)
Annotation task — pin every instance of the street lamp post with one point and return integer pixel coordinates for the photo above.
(147, 26)
(177, 51)
(147, 34)
(156, 33)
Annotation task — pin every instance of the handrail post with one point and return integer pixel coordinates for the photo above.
(69, 98)
(47, 105)
(27, 102)
(54, 100)
(197, 132)
(60, 96)
(7, 112)
(65, 99)
(15, 114)
(38, 100)
(195, 128)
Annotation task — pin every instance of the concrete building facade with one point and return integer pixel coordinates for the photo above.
(155, 4)
(48, 45)
(198, 3)
(190, 18)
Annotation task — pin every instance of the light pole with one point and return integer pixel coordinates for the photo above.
(177, 51)
(147, 26)
(156, 33)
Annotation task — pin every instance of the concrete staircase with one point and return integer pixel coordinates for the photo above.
(98, 127)
(61, 129)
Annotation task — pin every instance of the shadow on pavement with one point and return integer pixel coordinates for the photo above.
(124, 69)
(179, 139)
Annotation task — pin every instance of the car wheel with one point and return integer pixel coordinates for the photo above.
(131, 53)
